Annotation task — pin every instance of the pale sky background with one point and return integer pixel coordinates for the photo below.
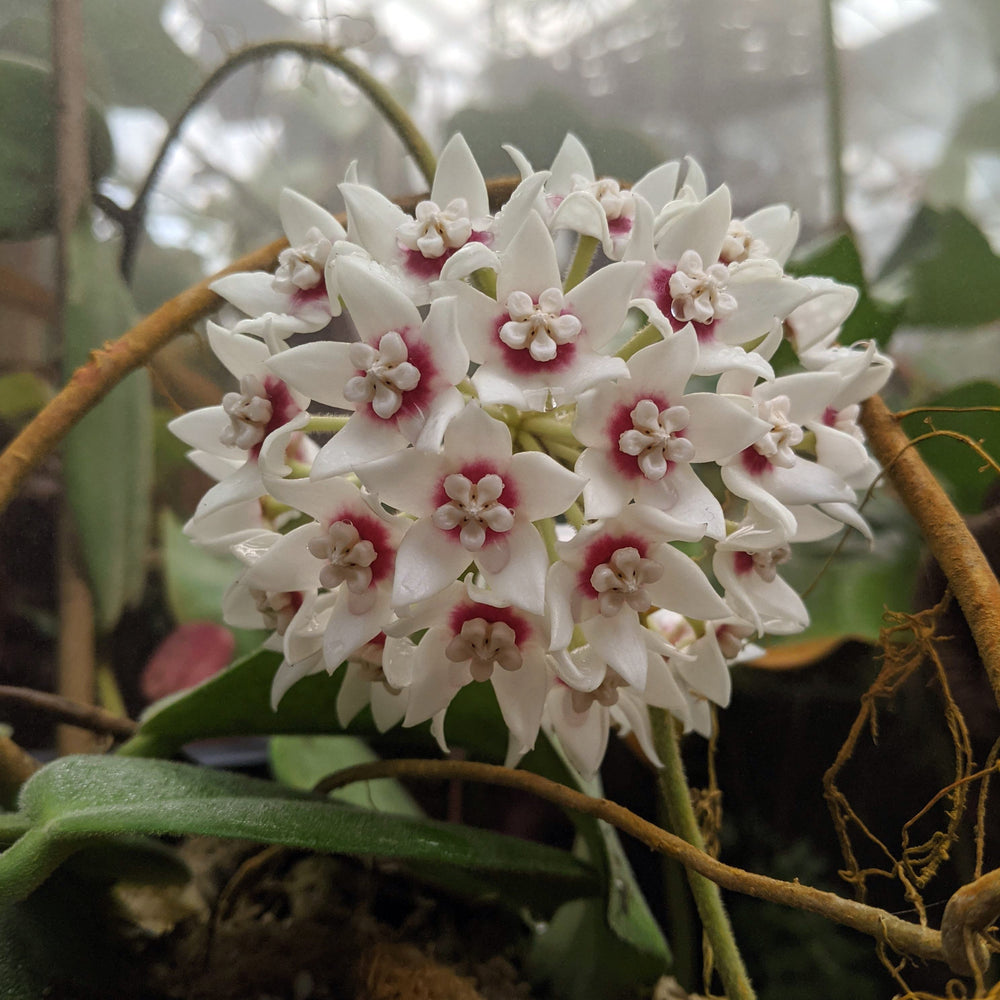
(911, 69)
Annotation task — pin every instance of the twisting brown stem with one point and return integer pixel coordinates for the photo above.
(962, 561)
(903, 936)
(972, 909)
(91, 717)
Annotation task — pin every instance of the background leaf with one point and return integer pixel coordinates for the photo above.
(196, 581)
(27, 152)
(52, 940)
(301, 761)
(107, 457)
(947, 271)
(143, 67)
(22, 394)
(959, 469)
(846, 595)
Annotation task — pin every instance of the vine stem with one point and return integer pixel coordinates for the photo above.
(970, 577)
(91, 382)
(676, 796)
(835, 114)
(390, 108)
(903, 936)
(69, 711)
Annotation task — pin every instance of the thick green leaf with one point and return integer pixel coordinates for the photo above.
(144, 67)
(839, 259)
(107, 457)
(236, 702)
(576, 954)
(958, 467)
(27, 150)
(53, 941)
(76, 801)
(977, 133)
(301, 761)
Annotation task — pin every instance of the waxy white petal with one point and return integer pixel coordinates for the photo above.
(529, 264)
(701, 228)
(545, 488)
(372, 221)
(319, 369)
(684, 588)
(376, 305)
(458, 176)
(601, 300)
(288, 674)
(299, 214)
(347, 632)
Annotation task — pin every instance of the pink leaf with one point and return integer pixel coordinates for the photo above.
(191, 653)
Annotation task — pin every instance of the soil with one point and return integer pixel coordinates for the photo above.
(276, 924)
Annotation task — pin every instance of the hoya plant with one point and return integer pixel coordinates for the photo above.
(514, 468)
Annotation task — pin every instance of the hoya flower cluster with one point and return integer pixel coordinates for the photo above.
(502, 477)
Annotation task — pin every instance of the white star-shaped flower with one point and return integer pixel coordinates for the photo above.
(474, 501)
(532, 342)
(643, 433)
(617, 569)
(399, 379)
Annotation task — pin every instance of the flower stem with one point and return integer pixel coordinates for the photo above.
(547, 529)
(526, 441)
(564, 452)
(648, 335)
(551, 429)
(325, 423)
(586, 247)
(676, 796)
(575, 515)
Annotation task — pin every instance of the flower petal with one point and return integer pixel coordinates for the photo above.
(428, 560)
(521, 697)
(299, 214)
(529, 264)
(619, 642)
(347, 632)
(545, 488)
(521, 579)
(372, 221)
(701, 228)
(601, 300)
(290, 673)
(376, 305)
(458, 176)
(684, 588)
(320, 369)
